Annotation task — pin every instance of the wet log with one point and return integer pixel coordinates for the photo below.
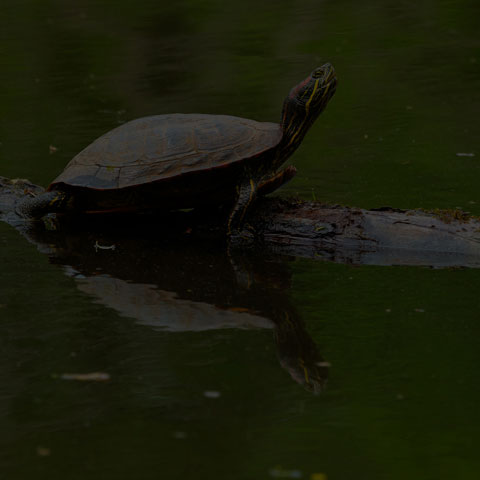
(383, 236)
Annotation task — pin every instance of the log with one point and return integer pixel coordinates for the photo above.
(383, 236)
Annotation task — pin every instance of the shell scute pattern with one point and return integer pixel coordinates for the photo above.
(164, 146)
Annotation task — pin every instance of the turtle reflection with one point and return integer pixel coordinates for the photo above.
(189, 286)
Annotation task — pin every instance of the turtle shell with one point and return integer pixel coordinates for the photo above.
(163, 147)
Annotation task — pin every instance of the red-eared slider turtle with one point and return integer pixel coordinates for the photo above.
(187, 160)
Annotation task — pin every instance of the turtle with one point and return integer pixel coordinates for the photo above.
(178, 161)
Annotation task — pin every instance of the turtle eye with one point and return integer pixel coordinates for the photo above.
(317, 73)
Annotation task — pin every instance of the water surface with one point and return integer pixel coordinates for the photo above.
(244, 366)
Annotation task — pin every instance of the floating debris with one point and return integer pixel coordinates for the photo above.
(86, 377)
(469, 154)
(43, 451)
(52, 149)
(419, 310)
(98, 247)
(211, 394)
(280, 472)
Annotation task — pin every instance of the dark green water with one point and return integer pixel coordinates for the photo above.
(202, 350)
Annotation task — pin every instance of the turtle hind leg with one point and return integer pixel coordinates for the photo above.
(270, 184)
(246, 194)
(40, 205)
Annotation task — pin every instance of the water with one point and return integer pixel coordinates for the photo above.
(241, 366)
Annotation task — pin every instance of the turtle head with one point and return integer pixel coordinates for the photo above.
(305, 102)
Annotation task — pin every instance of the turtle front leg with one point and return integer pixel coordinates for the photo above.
(249, 190)
(246, 194)
(40, 205)
(271, 183)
